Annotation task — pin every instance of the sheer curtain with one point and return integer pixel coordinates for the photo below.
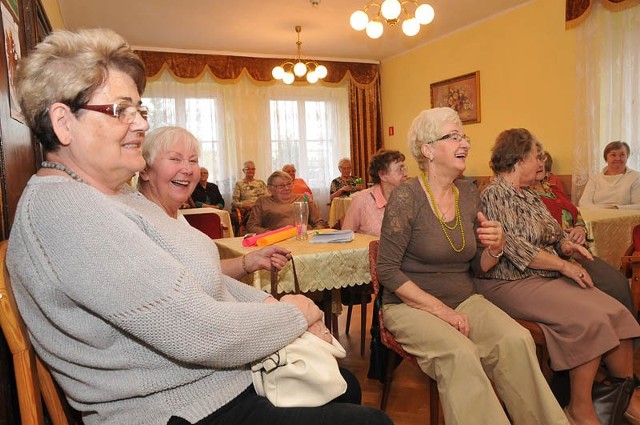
(608, 90)
(270, 124)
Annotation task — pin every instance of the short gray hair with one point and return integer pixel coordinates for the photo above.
(68, 67)
(426, 127)
(277, 174)
(163, 138)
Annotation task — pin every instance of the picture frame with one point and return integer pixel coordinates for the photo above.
(461, 94)
(15, 8)
(12, 55)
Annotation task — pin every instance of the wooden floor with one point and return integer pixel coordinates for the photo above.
(408, 402)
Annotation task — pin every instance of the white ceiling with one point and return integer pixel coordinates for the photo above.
(266, 27)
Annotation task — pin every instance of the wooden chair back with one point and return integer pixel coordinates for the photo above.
(208, 224)
(33, 379)
(630, 266)
(396, 350)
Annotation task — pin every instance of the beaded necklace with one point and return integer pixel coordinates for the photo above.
(443, 224)
(60, 167)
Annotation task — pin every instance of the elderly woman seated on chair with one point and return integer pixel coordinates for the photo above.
(126, 303)
(171, 155)
(428, 246)
(276, 211)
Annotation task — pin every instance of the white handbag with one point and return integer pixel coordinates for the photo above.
(303, 374)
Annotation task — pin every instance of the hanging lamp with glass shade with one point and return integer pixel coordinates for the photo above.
(299, 67)
(392, 12)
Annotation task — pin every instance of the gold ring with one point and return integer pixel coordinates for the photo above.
(326, 332)
(581, 275)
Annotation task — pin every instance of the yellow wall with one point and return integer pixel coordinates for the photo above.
(53, 13)
(526, 60)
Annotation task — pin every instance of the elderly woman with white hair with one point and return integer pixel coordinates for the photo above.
(345, 183)
(127, 305)
(433, 234)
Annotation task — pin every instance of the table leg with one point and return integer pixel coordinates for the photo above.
(326, 305)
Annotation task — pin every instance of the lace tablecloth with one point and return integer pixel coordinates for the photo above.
(610, 230)
(319, 266)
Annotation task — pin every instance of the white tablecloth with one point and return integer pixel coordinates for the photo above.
(225, 218)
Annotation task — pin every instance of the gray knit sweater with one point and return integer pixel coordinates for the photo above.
(129, 307)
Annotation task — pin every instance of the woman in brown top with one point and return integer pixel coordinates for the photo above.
(427, 247)
(276, 211)
(536, 280)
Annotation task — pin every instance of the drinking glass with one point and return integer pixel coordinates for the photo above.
(300, 219)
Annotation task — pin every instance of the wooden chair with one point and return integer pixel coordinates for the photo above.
(630, 267)
(208, 224)
(33, 379)
(358, 295)
(396, 352)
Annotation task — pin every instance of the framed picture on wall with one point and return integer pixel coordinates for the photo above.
(13, 4)
(13, 54)
(461, 94)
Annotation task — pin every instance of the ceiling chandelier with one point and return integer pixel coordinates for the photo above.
(299, 67)
(392, 11)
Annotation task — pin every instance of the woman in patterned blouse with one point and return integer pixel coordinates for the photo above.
(537, 280)
(605, 277)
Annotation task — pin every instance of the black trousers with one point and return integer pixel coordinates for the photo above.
(248, 408)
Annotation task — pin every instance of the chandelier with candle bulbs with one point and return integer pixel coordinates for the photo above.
(299, 67)
(392, 12)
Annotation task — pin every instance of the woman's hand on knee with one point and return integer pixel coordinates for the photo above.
(459, 321)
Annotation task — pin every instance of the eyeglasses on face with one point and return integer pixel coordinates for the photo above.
(455, 137)
(283, 186)
(401, 169)
(125, 112)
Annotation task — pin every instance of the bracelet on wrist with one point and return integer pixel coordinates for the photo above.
(496, 256)
(244, 264)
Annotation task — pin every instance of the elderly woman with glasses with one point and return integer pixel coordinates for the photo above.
(387, 170)
(276, 211)
(127, 305)
(433, 235)
(537, 280)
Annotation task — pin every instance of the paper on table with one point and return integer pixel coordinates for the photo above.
(277, 237)
(252, 240)
(333, 237)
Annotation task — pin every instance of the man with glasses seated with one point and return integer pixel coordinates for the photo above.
(276, 211)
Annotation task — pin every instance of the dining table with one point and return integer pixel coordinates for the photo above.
(338, 209)
(609, 231)
(322, 268)
(225, 218)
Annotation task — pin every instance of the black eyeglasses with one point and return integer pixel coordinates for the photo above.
(456, 137)
(125, 112)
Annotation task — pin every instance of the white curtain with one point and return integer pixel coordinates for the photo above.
(238, 121)
(608, 90)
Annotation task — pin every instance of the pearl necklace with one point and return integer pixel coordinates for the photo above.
(60, 167)
(443, 224)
